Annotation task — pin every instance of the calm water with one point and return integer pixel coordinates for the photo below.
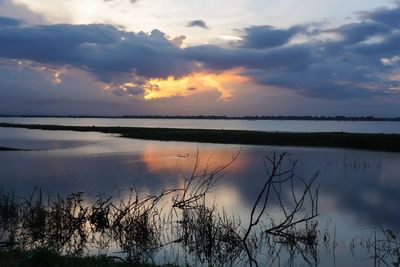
(359, 189)
(259, 125)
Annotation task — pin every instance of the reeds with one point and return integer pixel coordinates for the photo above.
(142, 226)
(383, 248)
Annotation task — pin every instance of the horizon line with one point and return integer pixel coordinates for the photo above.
(216, 117)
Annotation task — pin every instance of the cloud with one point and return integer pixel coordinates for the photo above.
(9, 22)
(261, 37)
(332, 79)
(390, 61)
(128, 90)
(20, 12)
(354, 63)
(198, 23)
(130, 1)
(388, 16)
(220, 58)
(389, 46)
(361, 31)
(104, 50)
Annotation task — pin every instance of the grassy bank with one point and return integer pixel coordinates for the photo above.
(381, 142)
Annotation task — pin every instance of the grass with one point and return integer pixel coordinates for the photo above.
(379, 142)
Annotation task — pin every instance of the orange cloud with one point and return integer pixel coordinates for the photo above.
(195, 83)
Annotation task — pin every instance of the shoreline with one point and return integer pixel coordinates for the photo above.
(376, 142)
(217, 117)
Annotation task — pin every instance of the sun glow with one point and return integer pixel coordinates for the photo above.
(169, 157)
(195, 83)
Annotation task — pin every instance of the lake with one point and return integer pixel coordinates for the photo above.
(251, 125)
(359, 190)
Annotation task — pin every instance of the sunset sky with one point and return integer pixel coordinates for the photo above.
(192, 57)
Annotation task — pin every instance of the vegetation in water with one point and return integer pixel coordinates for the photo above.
(177, 226)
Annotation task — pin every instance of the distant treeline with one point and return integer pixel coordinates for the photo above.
(215, 117)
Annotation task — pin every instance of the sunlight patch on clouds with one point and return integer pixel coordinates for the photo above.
(229, 38)
(56, 79)
(54, 74)
(395, 77)
(390, 61)
(75, 11)
(195, 83)
(395, 89)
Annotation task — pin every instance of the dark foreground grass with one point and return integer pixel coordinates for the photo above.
(48, 258)
(381, 142)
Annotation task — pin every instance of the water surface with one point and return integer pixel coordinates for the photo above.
(359, 189)
(254, 125)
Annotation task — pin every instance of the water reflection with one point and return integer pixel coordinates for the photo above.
(183, 156)
(138, 224)
(359, 189)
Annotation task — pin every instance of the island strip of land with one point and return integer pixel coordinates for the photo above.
(10, 149)
(379, 142)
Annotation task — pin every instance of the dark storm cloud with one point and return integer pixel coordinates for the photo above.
(4, 21)
(388, 16)
(218, 58)
(260, 37)
(389, 46)
(357, 32)
(333, 79)
(198, 23)
(339, 74)
(346, 66)
(102, 49)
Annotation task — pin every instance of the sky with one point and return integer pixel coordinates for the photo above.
(192, 57)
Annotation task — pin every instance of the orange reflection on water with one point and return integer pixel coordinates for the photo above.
(181, 159)
(158, 157)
